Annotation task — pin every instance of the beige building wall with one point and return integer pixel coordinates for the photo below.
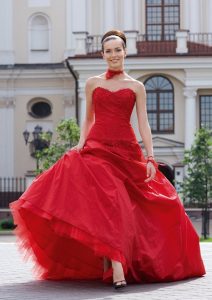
(22, 150)
(21, 28)
(56, 91)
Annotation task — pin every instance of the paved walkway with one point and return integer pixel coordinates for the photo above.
(17, 282)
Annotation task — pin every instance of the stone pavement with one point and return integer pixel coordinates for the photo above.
(17, 282)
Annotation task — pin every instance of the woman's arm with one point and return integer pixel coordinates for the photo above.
(144, 128)
(89, 116)
(143, 123)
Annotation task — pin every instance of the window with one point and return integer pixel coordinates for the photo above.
(39, 108)
(206, 111)
(160, 104)
(162, 19)
(39, 39)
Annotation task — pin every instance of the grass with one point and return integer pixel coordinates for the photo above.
(5, 231)
(208, 240)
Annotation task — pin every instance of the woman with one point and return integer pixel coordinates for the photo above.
(103, 210)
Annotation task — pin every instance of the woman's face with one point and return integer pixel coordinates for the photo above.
(114, 54)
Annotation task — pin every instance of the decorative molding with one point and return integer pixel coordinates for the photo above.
(68, 100)
(39, 3)
(37, 92)
(161, 142)
(190, 92)
(7, 102)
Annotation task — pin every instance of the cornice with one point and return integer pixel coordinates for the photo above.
(145, 63)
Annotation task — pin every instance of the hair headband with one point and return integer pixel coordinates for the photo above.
(113, 36)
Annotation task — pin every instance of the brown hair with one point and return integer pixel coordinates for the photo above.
(109, 35)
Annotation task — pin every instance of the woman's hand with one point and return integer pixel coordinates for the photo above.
(150, 171)
(78, 147)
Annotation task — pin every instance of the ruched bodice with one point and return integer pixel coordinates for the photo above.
(113, 110)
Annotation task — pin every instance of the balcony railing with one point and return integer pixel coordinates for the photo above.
(157, 45)
(155, 37)
(93, 43)
(10, 190)
(200, 43)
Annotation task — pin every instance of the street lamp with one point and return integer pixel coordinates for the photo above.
(38, 143)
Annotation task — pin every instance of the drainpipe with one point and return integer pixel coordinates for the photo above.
(76, 89)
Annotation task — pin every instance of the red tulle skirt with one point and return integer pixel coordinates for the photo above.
(94, 204)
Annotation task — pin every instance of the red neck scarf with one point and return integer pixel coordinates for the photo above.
(111, 73)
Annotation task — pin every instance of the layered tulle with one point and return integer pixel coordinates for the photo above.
(94, 204)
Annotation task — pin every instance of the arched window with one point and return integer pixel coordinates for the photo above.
(160, 104)
(39, 39)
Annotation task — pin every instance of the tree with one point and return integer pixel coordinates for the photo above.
(198, 180)
(68, 136)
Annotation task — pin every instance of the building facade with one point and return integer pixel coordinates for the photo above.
(169, 50)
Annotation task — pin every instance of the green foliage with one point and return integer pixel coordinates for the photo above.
(68, 133)
(7, 224)
(198, 161)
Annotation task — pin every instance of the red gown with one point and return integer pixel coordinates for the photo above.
(94, 203)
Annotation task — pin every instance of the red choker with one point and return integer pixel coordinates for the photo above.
(111, 73)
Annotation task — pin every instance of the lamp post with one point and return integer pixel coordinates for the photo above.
(38, 143)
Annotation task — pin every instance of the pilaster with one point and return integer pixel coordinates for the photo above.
(129, 15)
(109, 15)
(6, 32)
(190, 115)
(7, 105)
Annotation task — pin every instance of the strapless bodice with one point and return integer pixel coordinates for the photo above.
(113, 110)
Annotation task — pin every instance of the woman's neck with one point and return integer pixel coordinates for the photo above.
(111, 73)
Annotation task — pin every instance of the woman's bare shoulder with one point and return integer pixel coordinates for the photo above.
(137, 85)
(93, 81)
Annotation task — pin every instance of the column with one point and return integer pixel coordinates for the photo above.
(82, 101)
(190, 115)
(209, 12)
(79, 15)
(129, 15)
(76, 20)
(186, 14)
(69, 51)
(6, 32)
(7, 136)
(194, 16)
(129, 26)
(109, 14)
